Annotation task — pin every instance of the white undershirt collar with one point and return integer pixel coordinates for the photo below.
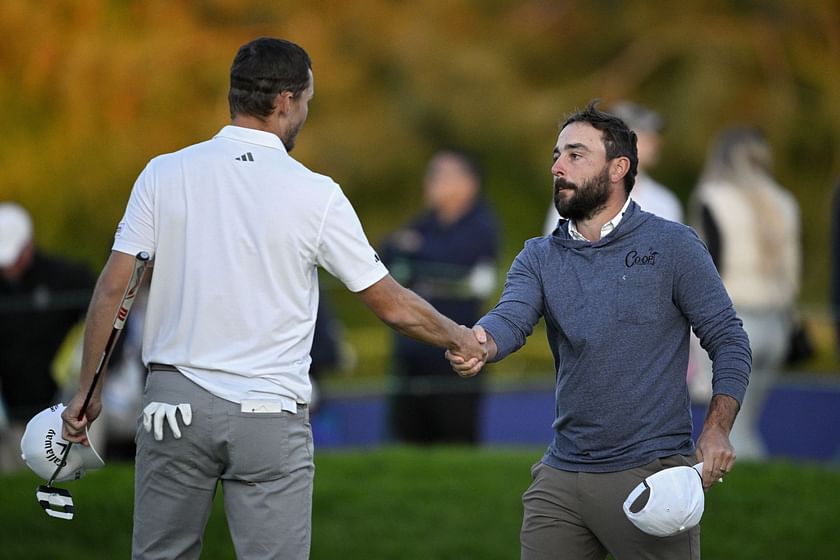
(605, 229)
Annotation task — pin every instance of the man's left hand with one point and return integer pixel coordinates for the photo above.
(717, 454)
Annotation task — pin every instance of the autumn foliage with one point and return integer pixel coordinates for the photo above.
(91, 89)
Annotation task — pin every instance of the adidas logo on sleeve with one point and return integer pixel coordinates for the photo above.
(247, 156)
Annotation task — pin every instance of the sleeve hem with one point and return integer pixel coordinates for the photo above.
(129, 248)
(504, 340)
(367, 280)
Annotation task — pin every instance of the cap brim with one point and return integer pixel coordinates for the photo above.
(90, 457)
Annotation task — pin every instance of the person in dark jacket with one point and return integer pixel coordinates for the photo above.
(41, 298)
(448, 255)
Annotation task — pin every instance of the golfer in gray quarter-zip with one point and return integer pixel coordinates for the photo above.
(617, 313)
(620, 290)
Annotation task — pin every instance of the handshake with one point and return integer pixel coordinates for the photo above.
(473, 349)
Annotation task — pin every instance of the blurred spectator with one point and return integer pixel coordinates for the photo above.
(835, 264)
(448, 256)
(751, 226)
(41, 298)
(652, 196)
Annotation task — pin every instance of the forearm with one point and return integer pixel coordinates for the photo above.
(411, 316)
(713, 446)
(98, 325)
(99, 322)
(722, 412)
(415, 318)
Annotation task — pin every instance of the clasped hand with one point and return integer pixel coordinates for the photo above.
(471, 355)
(155, 413)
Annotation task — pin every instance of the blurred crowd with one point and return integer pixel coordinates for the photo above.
(449, 254)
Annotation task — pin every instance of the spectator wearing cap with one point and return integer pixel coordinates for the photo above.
(41, 298)
(651, 195)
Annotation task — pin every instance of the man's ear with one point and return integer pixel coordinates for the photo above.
(619, 168)
(283, 102)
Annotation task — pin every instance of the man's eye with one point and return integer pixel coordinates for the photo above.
(573, 156)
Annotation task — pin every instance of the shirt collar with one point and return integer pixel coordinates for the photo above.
(605, 229)
(251, 136)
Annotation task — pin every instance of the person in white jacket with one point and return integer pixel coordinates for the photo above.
(751, 225)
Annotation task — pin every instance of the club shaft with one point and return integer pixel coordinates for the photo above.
(140, 262)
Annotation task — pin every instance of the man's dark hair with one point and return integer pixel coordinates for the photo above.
(261, 70)
(618, 139)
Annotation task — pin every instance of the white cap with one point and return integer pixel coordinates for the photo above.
(15, 232)
(675, 502)
(42, 446)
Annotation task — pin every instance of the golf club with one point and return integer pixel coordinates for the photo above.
(58, 502)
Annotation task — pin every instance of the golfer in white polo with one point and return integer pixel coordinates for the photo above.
(237, 229)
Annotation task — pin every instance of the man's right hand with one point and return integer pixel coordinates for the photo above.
(75, 430)
(471, 355)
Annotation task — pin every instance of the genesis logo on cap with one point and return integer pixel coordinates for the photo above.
(42, 447)
(675, 501)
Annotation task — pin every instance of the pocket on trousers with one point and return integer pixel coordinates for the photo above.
(534, 468)
(675, 461)
(260, 445)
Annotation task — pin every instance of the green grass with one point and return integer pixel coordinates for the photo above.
(440, 503)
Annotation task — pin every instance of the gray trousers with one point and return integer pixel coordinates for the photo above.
(263, 460)
(579, 516)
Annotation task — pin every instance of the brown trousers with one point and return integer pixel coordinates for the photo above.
(579, 516)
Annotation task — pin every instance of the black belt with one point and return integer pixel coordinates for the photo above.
(163, 367)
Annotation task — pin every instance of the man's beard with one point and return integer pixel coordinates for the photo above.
(291, 137)
(586, 200)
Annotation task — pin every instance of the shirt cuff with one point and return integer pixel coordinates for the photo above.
(502, 335)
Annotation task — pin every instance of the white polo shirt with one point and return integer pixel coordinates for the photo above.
(237, 228)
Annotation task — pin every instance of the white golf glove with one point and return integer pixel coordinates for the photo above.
(156, 412)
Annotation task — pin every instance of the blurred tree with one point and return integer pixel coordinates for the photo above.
(92, 89)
